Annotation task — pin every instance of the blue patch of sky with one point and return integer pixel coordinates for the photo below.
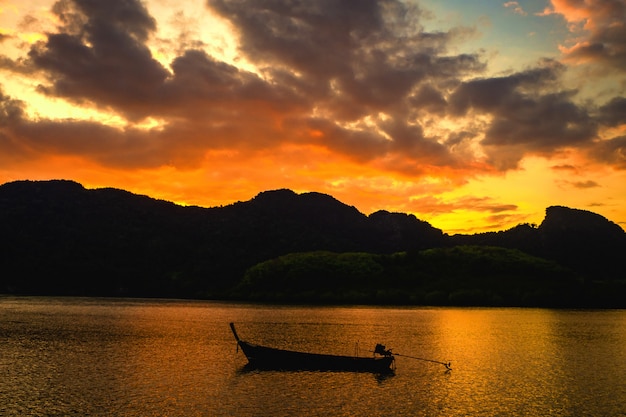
(509, 39)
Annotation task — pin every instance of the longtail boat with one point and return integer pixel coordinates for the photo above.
(263, 357)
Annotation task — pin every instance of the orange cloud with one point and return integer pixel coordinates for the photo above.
(604, 30)
(516, 7)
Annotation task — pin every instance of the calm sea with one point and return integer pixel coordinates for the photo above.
(112, 357)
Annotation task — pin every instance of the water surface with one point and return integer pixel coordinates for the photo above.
(100, 357)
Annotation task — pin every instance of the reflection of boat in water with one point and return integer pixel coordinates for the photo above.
(263, 357)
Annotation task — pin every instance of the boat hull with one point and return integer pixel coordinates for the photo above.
(263, 357)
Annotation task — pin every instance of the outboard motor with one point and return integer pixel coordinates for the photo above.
(382, 350)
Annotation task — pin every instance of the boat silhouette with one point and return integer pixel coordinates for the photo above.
(264, 357)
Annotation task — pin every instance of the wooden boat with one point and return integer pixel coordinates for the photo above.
(263, 357)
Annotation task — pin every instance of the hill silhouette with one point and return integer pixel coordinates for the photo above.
(59, 238)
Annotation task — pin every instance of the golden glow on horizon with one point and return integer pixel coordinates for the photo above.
(460, 209)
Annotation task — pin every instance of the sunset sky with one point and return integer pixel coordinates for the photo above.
(472, 115)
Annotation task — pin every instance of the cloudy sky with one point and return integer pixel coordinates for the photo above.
(472, 115)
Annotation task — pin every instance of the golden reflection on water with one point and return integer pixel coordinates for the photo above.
(150, 357)
(530, 362)
(176, 359)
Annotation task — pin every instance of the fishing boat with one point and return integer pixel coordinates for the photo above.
(263, 357)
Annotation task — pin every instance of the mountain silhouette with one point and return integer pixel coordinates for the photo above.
(59, 238)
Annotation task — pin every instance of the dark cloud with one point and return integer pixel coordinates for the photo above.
(11, 110)
(368, 55)
(409, 140)
(109, 146)
(528, 115)
(11, 113)
(612, 151)
(614, 112)
(585, 184)
(490, 94)
(28, 22)
(360, 144)
(545, 123)
(201, 83)
(355, 60)
(503, 207)
(99, 55)
(354, 77)
(347, 60)
(486, 204)
(21, 137)
(459, 137)
(565, 167)
(428, 98)
(99, 20)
